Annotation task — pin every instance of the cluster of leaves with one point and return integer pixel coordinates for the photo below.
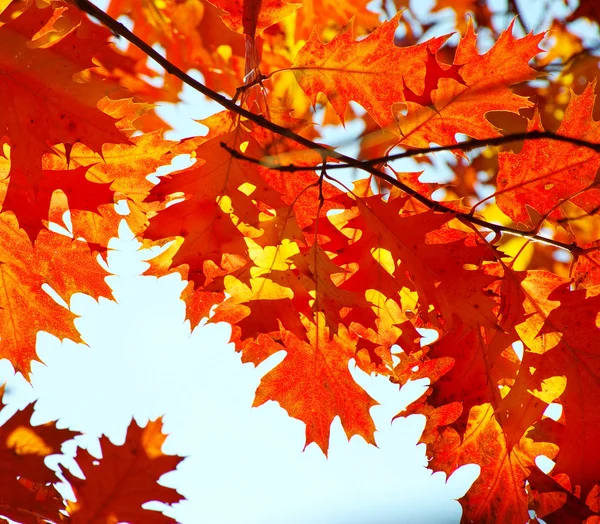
(504, 262)
(115, 486)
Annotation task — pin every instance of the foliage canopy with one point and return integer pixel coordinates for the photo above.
(501, 258)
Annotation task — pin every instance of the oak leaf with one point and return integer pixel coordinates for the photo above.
(220, 192)
(313, 384)
(252, 17)
(25, 307)
(545, 175)
(498, 492)
(28, 493)
(48, 106)
(561, 332)
(116, 486)
(373, 72)
(461, 107)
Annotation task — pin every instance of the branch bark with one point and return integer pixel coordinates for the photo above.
(347, 161)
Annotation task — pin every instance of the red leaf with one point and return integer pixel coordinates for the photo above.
(27, 493)
(49, 107)
(313, 384)
(116, 486)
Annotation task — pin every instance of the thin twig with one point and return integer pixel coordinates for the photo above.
(513, 6)
(467, 145)
(463, 217)
(120, 29)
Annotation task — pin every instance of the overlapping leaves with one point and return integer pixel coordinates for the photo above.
(112, 489)
(331, 271)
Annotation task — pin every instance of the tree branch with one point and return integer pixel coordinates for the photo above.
(119, 29)
(467, 145)
(464, 217)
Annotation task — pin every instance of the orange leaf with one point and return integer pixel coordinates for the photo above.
(116, 486)
(374, 72)
(338, 14)
(498, 494)
(252, 17)
(313, 384)
(47, 107)
(218, 202)
(461, 107)
(546, 173)
(25, 307)
(561, 333)
(27, 494)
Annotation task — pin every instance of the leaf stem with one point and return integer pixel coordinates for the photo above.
(367, 166)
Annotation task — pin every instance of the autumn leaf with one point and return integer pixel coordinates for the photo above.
(415, 244)
(498, 492)
(193, 35)
(560, 334)
(116, 486)
(28, 493)
(313, 385)
(346, 69)
(340, 12)
(545, 175)
(47, 107)
(26, 308)
(212, 220)
(462, 106)
(252, 17)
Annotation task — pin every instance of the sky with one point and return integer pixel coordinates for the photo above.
(243, 464)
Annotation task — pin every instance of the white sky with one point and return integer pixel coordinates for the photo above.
(243, 464)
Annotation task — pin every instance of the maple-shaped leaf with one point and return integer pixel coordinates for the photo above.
(373, 72)
(498, 494)
(420, 254)
(66, 265)
(222, 192)
(461, 107)
(116, 486)
(27, 493)
(49, 106)
(561, 333)
(314, 385)
(546, 173)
